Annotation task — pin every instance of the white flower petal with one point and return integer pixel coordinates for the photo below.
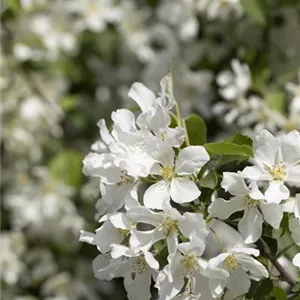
(272, 213)
(87, 237)
(143, 97)
(250, 226)
(190, 160)
(107, 235)
(293, 178)
(294, 226)
(251, 265)
(175, 136)
(156, 195)
(296, 260)
(266, 148)
(254, 173)
(234, 184)
(139, 287)
(120, 220)
(183, 190)
(297, 207)
(290, 147)
(124, 120)
(193, 224)
(143, 240)
(222, 209)
(217, 286)
(277, 192)
(151, 261)
(144, 215)
(238, 282)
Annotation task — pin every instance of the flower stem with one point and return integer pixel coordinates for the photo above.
(283, 273)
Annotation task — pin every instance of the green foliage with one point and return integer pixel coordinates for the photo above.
(260, 289)
(241, 139)
(237, 147)
(14, 5)
(210, 180)
(66, 167)
(277, 294)
(257, 10)
(196, 130)
(276, 100)
(228, 148)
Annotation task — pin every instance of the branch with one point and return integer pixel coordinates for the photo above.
(283, 273)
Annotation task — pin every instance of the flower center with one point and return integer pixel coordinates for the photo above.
(125, 178)
(230, 262)
(166, 173)
(124, 232)
(169, 226)
(251, 203)
(224, 2)
(92, 7)
(140, 265)
(190, 263)
(278, 172)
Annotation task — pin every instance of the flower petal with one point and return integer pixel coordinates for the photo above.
(183, 190)
(238, 282)
(272, 213)
(234, 184)
(277, 192)
(266, 148)
(250, 226)
(143, 96)
(296, 260)
(106, 235)
(190, 160)
(222, 209)
(253, 266)
(156, 195)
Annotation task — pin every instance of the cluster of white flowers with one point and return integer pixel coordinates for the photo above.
(250, 110)
(152, 225)
(67, 63)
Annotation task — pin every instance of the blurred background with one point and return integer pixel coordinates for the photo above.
(67, 63)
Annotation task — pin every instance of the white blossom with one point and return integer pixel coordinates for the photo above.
(251, 201)
(277, 163)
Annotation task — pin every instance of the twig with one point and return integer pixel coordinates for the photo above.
(283, 273)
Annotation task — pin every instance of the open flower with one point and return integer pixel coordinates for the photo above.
(276, 162)
(186, 274)
(136, 268)
(168, 225)
(174, 181)
(252, 201)
(240, 267)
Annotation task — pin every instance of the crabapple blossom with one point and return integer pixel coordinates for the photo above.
(277, 163)
(159, 222)
(249, 199)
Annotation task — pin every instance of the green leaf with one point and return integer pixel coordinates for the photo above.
(66, 167)
(257, 10)
(276, 100)
(210, 180)
(229, 148)
(14, 5)
(259, 290)
(68, 103)
(230, 158)
(174, 122)
(277, 294)
(241, 139)
(196, 130)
